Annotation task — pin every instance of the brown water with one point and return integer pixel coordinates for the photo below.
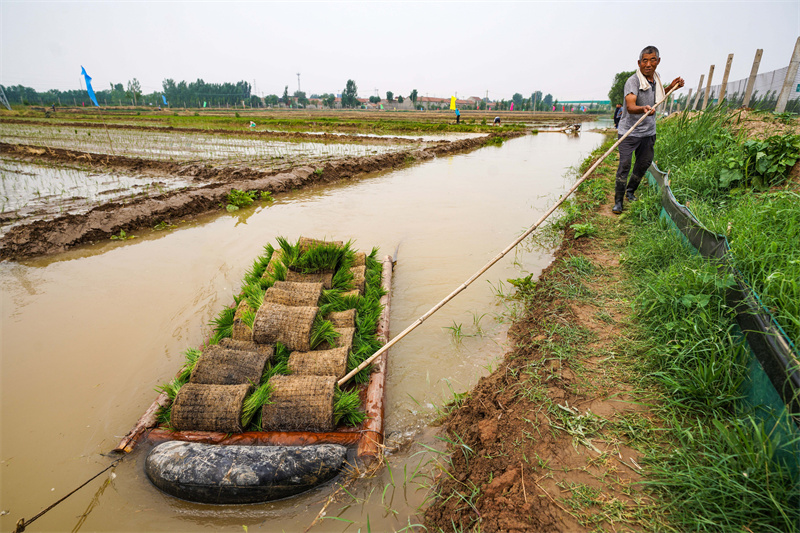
(87, 335)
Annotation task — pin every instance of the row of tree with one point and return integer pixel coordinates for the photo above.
(201, 94)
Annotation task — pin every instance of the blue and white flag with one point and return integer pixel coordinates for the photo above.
(165, 99)
(89, 86)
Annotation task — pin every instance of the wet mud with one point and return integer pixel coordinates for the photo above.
(213, 183)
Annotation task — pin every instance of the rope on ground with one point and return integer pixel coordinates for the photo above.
(499, 256)
(22, 523)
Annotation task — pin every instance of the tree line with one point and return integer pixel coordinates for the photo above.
(201, 94)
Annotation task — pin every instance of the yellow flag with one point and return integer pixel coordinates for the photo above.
(452, 102)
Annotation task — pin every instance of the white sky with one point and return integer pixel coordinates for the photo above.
(570, 49)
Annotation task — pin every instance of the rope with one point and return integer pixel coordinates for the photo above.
(22, 523)
(499, 256)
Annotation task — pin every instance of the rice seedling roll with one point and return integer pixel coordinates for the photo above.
(325, 277)
(277, 258)
(240, 331)
(359, 278)
(319, 362)
(290, 326)
(343, 319)
(359, 259)
(306, 243)
(204, 407)
(299, 403)
(292, 293)
(249, 346)
(223, 366)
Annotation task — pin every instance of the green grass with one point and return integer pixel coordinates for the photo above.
(718, 468)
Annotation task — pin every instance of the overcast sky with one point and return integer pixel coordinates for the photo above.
(570, 49)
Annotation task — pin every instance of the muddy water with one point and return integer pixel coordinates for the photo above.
(87, 335)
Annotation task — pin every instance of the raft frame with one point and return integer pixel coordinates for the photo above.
(368, 439)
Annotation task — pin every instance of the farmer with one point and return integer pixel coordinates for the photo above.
(458, 116)
(642, 90)
(496, 121)
(617, 115)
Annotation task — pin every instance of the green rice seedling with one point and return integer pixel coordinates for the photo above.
(254, 401)
(223, 324)
(494, 141)
(347, 409)
(322, 331)
(254, 273)
(456, 333)
(122, 236)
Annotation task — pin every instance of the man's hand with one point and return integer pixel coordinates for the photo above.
(649, 110)
(677, 82)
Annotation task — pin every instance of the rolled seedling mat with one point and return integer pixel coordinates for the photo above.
(248, 346)
(288, 325)
(359, 278)
(354, 292)
(241, 331)
(360, 259)
(294, 293)
(203, 407)
(277, 257)
(345, 339)
(305, 244)
(299, 403)
(343, 319)
(223, 366)
(320, 362)
(324, 277)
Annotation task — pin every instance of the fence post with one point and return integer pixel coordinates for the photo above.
(708, 87)
(752, 80)
(688, 104)
(789, 81)
(724, 86)
(699, 86)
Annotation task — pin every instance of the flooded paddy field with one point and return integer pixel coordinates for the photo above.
(187, 147)
(87, 334)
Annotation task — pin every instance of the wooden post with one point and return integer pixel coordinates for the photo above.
(752, 80)
(788, 82)
(688, 105)
(699, 86)
(708, 87)
(724, 86)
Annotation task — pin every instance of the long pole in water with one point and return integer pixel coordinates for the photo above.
(499, 256)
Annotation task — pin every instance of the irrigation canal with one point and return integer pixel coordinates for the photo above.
(87, 335)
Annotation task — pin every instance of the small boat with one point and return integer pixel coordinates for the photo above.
(264, 410)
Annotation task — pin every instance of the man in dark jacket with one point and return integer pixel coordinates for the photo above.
(642, 90)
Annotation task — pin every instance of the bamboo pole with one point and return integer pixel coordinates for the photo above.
(499, 256)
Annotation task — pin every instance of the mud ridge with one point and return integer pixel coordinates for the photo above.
(44, 237)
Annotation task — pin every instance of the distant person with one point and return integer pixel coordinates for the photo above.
(252, 124)
(642, 90)
(617, 116)
(458, 116)
(54, 107)
(496, 121)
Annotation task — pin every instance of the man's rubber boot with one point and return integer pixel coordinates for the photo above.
(633, 184)
(619, 194)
